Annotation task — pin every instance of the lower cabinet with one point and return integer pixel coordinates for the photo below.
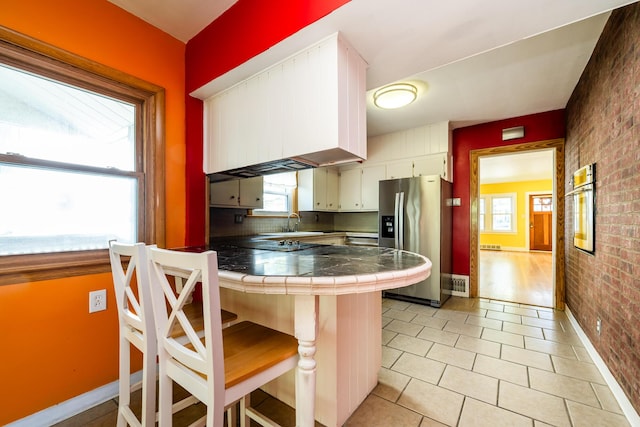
(237, 193)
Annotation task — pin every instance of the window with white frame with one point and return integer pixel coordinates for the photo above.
(278, 194)
(78, 164)
(497, 213)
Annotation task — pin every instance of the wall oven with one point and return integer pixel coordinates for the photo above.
(583, 193)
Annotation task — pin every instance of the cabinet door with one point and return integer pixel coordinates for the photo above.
(371, 177)
(332, 189)
(350, 189)
(320, 189)
(224, 193)
(402, 169)
(434, 164)
(305, 190)
(251, 192)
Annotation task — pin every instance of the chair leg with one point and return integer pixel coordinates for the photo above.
(124, 383)
(165, 400)
(244, 403)
(148, 389)
(232, 415)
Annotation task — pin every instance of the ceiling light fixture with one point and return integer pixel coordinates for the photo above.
(395, 95)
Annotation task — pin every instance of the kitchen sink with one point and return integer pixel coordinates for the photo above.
(280, 245)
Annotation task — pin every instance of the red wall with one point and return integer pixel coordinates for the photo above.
(247, 29)
(537, 127)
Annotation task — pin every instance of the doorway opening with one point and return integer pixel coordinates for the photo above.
(517, 224)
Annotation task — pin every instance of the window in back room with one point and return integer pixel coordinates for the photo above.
(278, 190)
(497, 213)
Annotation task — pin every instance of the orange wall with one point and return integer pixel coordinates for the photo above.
(52, 349)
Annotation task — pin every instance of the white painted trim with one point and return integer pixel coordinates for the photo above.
(628, 409)
(73, 406)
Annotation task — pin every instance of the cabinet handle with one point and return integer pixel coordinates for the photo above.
(257, 199)
(232, 197)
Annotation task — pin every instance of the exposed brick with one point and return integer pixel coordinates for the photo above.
(603, 127)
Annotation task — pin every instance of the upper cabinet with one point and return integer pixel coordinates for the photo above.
(237, 193)
(425, 150)
(310, 106)
(359, 187)
(318, 189)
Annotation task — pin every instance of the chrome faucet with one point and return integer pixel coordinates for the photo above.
(295, 226)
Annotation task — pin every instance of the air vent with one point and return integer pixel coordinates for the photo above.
(491, 247)
(268, 168)
(460, 285)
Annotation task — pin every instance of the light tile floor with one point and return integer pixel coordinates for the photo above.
(473, 362)
(476, 362)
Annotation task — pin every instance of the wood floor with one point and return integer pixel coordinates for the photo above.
(522, 277)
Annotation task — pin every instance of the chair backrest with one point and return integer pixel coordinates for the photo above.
(130, 274)
(192, 357)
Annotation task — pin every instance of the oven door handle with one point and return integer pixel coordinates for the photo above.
(583, 189)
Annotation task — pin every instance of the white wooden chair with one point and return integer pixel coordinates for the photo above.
(136, 327)
(225, 365)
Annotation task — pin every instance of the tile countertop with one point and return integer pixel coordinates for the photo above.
(314, 269)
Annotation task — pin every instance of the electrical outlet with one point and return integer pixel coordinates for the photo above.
(598, 325)
(97, 300)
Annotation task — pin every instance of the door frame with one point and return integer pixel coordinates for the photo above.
(558, 190)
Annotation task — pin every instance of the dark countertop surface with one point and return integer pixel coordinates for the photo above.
(259, 257)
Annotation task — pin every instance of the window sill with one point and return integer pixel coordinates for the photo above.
(36, 267)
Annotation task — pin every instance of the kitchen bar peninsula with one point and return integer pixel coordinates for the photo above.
(329, 298)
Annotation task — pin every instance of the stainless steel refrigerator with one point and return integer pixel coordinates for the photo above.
(415, 215)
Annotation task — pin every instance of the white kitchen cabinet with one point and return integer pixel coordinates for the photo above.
(359, 188)
(332, 189)
(434, 164)
(237, 193)
(410, 143)
(318, 189)
(351, 189)
(400, 169)
(371, 177)
(311, 105)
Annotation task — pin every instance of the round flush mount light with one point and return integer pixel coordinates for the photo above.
(395, 95)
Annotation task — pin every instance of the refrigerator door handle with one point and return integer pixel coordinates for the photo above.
(401, 221)
(395, 221)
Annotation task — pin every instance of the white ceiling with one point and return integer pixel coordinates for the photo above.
(528, 166)
(183, 19)
(480, 61)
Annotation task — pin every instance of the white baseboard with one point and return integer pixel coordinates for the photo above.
(73, 406)
(628, 409)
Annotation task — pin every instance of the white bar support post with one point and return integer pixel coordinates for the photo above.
(306, 331)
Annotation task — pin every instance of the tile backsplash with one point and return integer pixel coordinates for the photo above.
(223, 222)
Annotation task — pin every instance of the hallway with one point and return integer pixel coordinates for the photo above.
(519, 277)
